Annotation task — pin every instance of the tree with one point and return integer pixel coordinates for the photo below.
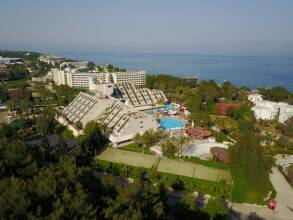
(137, 139)
(90, 142)
(254, 161)
(110, 68)
(61, 149)
(201, 119)
(169, 149)
(45, 123)
(91, 66)
(276, 94)
(16, 159)
(288, 127)
(73, 205)
(14, 199)
(140, 200)
(209, 90)
(178, 184)
(10, 105)
(228, 90)
(24, 107)
(182, 141)
(215, 208)
(44, 148)
(150, 81)
(285, 143)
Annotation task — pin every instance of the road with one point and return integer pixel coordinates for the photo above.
(284, 195)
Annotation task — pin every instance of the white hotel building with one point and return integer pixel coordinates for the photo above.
(80, 77)
(268, 110)
(123, 121)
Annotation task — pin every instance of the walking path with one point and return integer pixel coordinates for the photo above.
(284, 210)
(284, 195)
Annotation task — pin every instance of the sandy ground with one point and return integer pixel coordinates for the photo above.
(3, 116)
(128, 157)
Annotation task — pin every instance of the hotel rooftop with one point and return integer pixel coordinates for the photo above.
(124, 121)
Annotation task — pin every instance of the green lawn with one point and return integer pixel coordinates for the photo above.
(165, 165)
(189, 169)
(135, 148)
(128, 157)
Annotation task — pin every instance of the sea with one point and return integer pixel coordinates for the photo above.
(250, 71)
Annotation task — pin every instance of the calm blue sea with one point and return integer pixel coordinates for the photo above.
(251, 71)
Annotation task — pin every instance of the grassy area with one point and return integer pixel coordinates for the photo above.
(128, 157)
(224, 122)
(209, 163)
(165, 165)
(135, 148)
(197, 175)
(189, 183)
(198, 171)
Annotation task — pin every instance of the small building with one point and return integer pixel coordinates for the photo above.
(220, 154)
(199, 132)
(222, 108)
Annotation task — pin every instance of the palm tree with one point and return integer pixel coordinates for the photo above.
(182, 141)
(137, 139)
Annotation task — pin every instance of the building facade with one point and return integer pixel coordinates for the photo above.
(136, 78)
(268, 110)
(81, 77)
(123, 122)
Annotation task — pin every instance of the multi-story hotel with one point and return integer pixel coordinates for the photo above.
(80, 77)
(137, 78)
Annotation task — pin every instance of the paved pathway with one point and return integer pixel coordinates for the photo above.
(284, 195)
(284, 209)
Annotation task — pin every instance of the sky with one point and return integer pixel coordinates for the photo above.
(151, 26)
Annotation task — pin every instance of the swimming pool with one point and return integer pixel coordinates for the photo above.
(166, 107)
(167, 123)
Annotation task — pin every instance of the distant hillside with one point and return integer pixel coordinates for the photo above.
(25, 55)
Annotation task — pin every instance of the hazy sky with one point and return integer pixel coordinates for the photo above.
(182, 26)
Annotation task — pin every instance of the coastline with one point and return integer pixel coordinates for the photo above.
(250, 71)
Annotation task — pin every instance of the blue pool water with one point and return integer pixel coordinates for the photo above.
(167, 123)
(166, 107)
